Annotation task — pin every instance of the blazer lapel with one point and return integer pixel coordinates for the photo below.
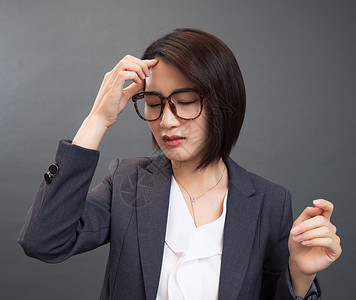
(153, 188)
(243, 208)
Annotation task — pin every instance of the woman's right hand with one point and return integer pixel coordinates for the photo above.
(112, 97)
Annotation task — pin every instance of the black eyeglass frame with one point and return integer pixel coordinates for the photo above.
(171, 104)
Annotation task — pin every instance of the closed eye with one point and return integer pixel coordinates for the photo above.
(186, 102)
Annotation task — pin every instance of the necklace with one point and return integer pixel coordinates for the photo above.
(194, 199)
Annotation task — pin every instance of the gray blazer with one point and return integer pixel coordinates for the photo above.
(129, 209)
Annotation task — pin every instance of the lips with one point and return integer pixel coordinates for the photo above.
(173, 140)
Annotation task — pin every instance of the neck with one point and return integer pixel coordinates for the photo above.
(201, 180)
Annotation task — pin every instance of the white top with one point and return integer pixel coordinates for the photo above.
(192, 256)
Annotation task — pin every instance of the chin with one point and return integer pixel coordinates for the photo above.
(181, 156)
(174, 155)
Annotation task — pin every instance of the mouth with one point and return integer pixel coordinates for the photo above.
(173, 140)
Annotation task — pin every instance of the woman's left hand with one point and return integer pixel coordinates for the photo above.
(313, 243)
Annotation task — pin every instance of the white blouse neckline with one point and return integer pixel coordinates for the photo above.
(180, 225)
(192, 255)
(218, 220)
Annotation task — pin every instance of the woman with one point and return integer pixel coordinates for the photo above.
(190, 223)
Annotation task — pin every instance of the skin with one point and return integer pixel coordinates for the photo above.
(184, 158)
(165, 79)
(313, 243)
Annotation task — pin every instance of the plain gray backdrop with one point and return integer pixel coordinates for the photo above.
(298, 61)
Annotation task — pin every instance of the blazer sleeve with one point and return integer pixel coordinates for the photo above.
(65, 219)
(275, 278)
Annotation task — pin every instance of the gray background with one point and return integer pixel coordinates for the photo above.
(298, 61)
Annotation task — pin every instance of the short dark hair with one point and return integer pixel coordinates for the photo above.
(210, 65)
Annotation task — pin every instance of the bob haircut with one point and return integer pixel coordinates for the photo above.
(209, 64)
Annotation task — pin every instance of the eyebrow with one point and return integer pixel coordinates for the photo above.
(177, 90)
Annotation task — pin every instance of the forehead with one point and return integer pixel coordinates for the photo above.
(165, 79)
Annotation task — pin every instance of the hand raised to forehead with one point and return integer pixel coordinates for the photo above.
(112, 96)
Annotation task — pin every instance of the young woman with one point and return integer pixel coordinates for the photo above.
(189, 223)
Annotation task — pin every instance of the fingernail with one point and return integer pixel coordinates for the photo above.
(295, 230)
(298, 238)
(306, 243)
(317, 202)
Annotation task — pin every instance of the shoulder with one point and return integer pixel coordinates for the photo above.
(276, 199)
(275, 213)
(270, 188)
(132, 164)
(251, 183)
(131, 161)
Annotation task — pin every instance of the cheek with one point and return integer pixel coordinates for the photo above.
(201, 128)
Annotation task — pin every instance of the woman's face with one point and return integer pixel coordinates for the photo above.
(180, 140)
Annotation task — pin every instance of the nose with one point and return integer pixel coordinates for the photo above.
(168, 119)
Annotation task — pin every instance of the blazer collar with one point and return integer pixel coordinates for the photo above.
(240, 178)
(160, 164)
(152, 212)
(243, 207)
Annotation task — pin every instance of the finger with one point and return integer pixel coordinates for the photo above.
(308, 213)
(326, 206)
(102, 90)
(116, 89)
(312, 223)
(118, 67)
(319, 232)
(136, 64)
(128, 65)
(123, 76)
(333, 247)
(144, 63)
(123, 65)
(131, 90)
(150, 62)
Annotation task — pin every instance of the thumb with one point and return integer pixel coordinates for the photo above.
(132, 89)
(308, 213)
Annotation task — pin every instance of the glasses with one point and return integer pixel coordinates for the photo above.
(186, 104)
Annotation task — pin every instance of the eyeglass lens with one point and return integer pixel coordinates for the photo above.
(186, 105)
